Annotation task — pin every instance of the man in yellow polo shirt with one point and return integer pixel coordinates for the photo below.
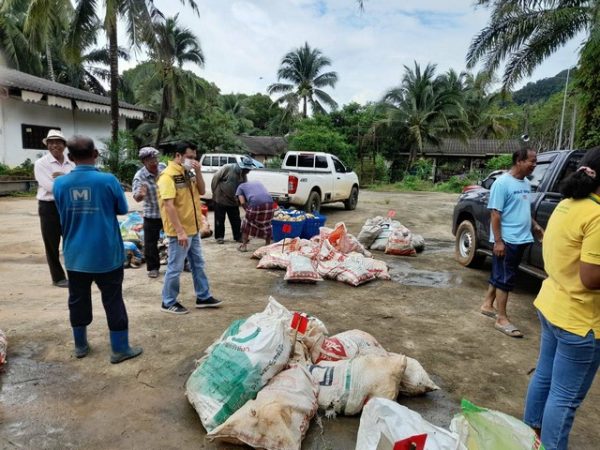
(180, 186)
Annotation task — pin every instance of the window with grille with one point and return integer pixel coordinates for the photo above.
(32, 135)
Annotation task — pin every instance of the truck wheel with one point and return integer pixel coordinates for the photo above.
(351, 202)
(313, 203)
(466, 245)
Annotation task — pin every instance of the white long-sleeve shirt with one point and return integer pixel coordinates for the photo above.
(43, 170)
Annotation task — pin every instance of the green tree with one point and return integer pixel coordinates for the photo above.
(14, 44)
(302, 68)
(315, 136)
(139, 17)
(424, 109)
(525, 33)
(588, 87)
(171, 45)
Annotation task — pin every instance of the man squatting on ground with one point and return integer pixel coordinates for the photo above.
(179, 198)
(144, 188)
(46, 170)
(510, 231)
(88, 202)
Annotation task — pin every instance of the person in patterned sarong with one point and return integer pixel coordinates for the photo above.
(258, 204)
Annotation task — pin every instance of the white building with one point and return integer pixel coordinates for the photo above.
(30, 106)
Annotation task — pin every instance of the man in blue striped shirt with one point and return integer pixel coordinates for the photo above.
(144, 188)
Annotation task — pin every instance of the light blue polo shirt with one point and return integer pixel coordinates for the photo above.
(88, 202)
(511, 197)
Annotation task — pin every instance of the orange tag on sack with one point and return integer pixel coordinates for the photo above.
(391, 213)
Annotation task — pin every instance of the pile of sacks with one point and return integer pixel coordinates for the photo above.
(333, 254)
(132, 232)
(263, 380)
(391, 236)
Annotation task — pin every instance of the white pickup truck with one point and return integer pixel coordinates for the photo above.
(306, 179)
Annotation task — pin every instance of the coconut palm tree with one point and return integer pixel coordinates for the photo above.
(525, 33)
(173, 45)
(14, 44)
(302, 68)
(139, 17)
(424, 109)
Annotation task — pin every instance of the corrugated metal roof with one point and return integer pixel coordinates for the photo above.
(473, 147)
(11, 78)
(264, 145)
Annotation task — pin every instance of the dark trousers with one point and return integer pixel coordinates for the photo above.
(233, 212)
(152, 229)
(80, 298)
(51, 232)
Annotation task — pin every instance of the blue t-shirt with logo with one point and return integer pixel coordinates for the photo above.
(88, 203)
(510, 196)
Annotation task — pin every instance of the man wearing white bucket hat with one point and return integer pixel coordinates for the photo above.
(46, 170)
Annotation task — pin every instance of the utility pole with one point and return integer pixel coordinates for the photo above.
(573, 123)
(562, 115)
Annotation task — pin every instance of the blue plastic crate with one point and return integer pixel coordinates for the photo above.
(311, 226)
(278, 234)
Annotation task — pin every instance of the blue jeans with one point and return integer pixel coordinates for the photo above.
(565, 370)
(177, 255)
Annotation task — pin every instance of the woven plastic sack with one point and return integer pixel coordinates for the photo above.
(238, 364)
(279, 416)
(399, 243)
(274, 261)
(486, 429)
(416, 380)
(345, 386)
(386, 425)
(349, 344)
(301, 270)
(354, 272)
(418, 242)
(290, 245)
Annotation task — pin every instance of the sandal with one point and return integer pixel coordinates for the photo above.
(243, 248)
(509, 329)
(491, 314)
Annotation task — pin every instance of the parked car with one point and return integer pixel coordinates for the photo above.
(306, 179)
(471, 218)
(486, 182)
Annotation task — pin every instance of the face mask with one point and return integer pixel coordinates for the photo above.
(187, 163)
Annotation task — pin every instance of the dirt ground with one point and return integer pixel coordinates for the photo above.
(49, 399)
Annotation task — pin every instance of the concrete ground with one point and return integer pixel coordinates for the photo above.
(49, 399)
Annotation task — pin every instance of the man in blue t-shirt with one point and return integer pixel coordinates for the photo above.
(510, 232)
(88, 202)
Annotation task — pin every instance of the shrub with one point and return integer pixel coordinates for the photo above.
(499, 162)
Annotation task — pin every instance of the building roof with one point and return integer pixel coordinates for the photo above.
(264, 145)
(473, 147)
(10, 78)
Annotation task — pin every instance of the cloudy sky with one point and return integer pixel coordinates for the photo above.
(244, 41)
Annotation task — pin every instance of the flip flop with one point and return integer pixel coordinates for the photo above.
(491, 314)
(509, 329)
(242, 248)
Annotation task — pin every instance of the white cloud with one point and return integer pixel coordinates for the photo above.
(244, 40)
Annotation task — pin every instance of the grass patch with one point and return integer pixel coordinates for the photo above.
(412, 183)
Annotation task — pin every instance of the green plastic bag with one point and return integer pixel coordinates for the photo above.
(486, 429)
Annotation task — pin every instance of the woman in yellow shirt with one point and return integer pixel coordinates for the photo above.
(568, 307)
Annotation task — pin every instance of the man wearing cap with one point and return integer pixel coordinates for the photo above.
(46, 170)
(144, 188)
(180, 186)
(224, 186)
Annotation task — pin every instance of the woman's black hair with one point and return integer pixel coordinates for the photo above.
(579, 184)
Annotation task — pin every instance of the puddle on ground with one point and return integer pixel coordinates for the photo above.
(438, 246)
(301, 290)
(404, 273)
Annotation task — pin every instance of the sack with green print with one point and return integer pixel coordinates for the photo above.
(486, 429)
(240, 363)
